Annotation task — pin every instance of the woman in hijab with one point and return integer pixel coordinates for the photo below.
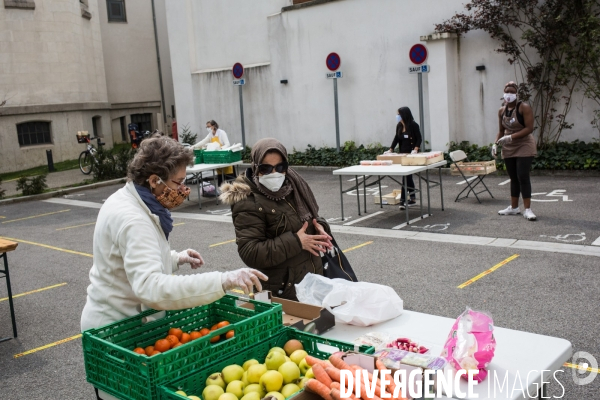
(276, 217)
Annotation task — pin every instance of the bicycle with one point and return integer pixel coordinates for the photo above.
(87, 157)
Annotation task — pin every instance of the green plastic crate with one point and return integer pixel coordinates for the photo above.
(222, 156)
(111, 364)
(193, 383)
(199, 154)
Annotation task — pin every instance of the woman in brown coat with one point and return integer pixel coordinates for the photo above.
(277, 227)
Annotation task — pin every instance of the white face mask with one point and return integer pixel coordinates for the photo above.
(272, 181)
(209, 130)
(510, 97)
(398, 118)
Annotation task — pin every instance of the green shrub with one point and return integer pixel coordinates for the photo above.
(2, 191)
(112, 163)
(31, 186)
(187, 136)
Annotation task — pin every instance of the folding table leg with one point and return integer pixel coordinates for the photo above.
(10, 299)
(200, 181)
(420, 195)
(380, 195)
(441, 187)
(406, 197)
(342, 197)
(428, 199)
(215, 184)
(357, 194)
(365, 192)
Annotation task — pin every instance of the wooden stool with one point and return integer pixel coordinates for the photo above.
(5, 247)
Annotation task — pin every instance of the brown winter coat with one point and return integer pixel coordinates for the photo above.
(266, 236)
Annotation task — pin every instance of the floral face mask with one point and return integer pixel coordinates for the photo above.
(170, 198)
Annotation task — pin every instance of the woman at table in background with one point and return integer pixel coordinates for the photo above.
(515, 127)
(276, 218)
(218, 136)
(408, 137)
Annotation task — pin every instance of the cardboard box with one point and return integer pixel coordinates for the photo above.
(473, 168)
(397, 158)
(302, 316)
(390, 198)
(423, 158)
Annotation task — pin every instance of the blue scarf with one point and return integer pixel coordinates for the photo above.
(166, 222)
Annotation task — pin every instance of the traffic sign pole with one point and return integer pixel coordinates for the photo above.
(242, 116)
(238, 71)
(333, 62)
(337, 116)
(418, 55)
(421, 118)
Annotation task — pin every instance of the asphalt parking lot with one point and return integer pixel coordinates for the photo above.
(551, 288)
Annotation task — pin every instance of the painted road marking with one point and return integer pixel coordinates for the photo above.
(34, 216)
(596, 242)
(412, 221)
(434, 227)
(550, 247)
(47, 246)
(489, 271)
(80, 203)
(76, 226)
(357, 247)
(580, 237)
(35, 291)
(218, 244)
(363, 218)
(353, 179)
(47, 346)
(2, 217)
(584, 367)
(179, 224)
(504, 183)
(468, 180)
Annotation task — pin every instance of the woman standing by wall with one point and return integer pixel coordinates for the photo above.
(515, 127)
(408, 137)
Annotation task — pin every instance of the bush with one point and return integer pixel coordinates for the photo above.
(31, 186)
(187, 136)
(112, 164)
(329, 157)
(1, 190)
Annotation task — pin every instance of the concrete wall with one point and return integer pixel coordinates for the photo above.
(373, 39)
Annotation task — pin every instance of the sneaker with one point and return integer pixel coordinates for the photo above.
(529, 215)
(410, 204)
(510, 211)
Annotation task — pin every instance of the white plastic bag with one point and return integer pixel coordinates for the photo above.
(354, 303)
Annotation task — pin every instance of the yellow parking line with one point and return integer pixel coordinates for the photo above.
(489, 271)
(35, 291)
(35, 216)
(357, 247)
(580, 368)
(76, 226)
(181, 223)
(2, 216)
(218, 244)
(47, 346)
(47, 246)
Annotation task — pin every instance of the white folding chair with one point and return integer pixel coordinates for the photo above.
(457, 156)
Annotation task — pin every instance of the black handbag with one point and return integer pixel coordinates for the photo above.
(336, 265)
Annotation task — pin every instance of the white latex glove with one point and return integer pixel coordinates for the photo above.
(243, 278)
(192, 257)
(505, 139)
(387, 151)
(494, 150)
(414, 152)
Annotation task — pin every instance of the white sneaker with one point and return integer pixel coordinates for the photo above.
(529, 215)
(510, 211)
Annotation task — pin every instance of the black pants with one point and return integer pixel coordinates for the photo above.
(410, 183)
(518, 170)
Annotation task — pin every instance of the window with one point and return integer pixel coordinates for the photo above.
(124, 134)
(34, 132)
(143, 121)
(116, 10)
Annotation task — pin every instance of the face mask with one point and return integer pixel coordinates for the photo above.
(209, 130)
(171, 198)
(272, 181)
(510, 97)
(398, 118)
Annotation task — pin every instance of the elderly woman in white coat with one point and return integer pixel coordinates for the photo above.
(133, 262)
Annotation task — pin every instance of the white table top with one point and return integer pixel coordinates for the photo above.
(389, 170)
(208, 167)
(517, 352)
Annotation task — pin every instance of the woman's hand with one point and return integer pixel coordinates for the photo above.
(192, 257)
(322, 231)
(243, 278)
(313, 243)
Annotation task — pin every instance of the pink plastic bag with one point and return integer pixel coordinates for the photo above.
(471, 344)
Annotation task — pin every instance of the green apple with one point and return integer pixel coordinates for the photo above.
(194, 398)
(292, 345)
(228, 396)
(290, 372)
(255, 372)
(245, 379)
(236, 387)
(279, 349)
(289, 390)
(232, 373)
(271, 381)
(277, 395)
(212, 392)
(298, 356)
(274, 360)
(309, 374)
(251, 396)
(248, 363)
(302, 382)
(181, 393)
(303, 367)
(215, 379)
(287, 358)
(254, 387)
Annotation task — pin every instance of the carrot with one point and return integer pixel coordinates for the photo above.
(337, 362)
(333, 373)
(321, 375)
(381, 367)
(370, 378)
(319, 388)
(310, 360)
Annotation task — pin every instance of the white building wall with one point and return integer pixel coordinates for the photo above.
(373, 38)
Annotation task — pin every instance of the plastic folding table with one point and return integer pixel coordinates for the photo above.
(197, 170)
